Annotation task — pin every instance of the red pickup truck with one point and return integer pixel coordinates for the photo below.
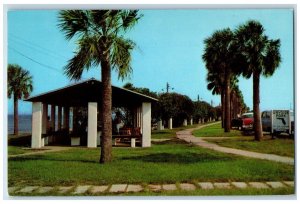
(247, 121)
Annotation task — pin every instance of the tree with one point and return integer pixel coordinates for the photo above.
(203, 111)
(100, 41)
(155, 115)
(19, 85)
(215, 84)
(261, 57)
(176, 106)
(144, 91)
(219, 59)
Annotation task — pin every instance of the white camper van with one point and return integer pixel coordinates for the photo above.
(278, 121)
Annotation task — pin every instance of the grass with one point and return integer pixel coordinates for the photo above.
(13, 150)
(166, 162)
(17, 150)
(171, 161)
(279, 146)
(216, 131)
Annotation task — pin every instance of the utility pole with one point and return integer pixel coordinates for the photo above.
(168, 87)
(198, 98)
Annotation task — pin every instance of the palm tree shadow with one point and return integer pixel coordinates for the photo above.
(179, 158)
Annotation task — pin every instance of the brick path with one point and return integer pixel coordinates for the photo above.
(129, 188)
(187, 136)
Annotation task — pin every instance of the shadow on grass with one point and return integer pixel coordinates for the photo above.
(180, 158)
(171, 141)
(248, 132)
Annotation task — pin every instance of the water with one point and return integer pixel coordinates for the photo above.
(24, 123)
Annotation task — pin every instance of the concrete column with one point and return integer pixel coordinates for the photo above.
(191, 121)
(59, 116)
(146, 124)
(185, 122)
(170, 124)
(92, 124)
(160, 125)
(75, 125)
(36, 139)
(66, 124)
(45, 118)
(52, 118)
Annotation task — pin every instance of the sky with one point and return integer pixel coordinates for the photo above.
(170, 44)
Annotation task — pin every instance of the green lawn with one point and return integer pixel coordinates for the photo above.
(279, 146)
(16, 150)
(169, 162)
(216, 131)
(13, 150)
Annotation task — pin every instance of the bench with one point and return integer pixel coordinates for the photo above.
(128, 133)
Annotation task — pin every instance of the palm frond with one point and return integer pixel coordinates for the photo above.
(273, 57)
(19, 82)
(87, 55)
(130, 18)
(72, 22)
(121, 56)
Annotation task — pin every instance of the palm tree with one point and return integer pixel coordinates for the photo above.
(218, 56)
(100, 41)
(19, 85)
(215, 84)
(261, 57)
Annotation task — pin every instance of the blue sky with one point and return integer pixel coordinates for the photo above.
(169, 49)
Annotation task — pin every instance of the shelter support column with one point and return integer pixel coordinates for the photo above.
(36, 140)
(59, 116)
(92, 124)
(185, 122)
(160, 125)
(53, 118)
(170, 124)
(146, 124)
(66, 125)
(45, 124)
(45, 118)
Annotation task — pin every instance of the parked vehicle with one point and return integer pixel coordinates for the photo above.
(278, 121)
(247, 121)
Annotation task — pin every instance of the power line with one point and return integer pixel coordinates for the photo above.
(38, 50)
(31, 44)
(44, 65)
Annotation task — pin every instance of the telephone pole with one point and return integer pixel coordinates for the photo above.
(168, 87)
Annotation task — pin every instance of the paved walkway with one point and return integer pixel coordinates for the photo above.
(187, 136)
(134, 188)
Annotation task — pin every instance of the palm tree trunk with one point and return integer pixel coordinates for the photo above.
(256, 112)
(16, 118)
(222, 108)
(106, 143)
(227, 103)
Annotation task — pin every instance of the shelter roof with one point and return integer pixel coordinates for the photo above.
(81, 93)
